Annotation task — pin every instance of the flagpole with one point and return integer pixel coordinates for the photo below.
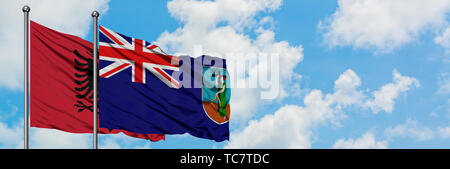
(95, 15)
(26, 10)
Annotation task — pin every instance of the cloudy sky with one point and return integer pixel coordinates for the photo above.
(353, 73)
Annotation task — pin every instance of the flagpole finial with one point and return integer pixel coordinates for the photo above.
(95, 14)
(26, 8)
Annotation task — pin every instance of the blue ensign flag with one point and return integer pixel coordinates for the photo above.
(144, 90)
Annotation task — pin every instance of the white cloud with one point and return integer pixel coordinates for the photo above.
(345, 89)
(11, 136)
(291, 126)
(206, 14)
(444, 39)
(382, 25)
(410, 129)
(444, 132)
(444, 83)
(56, 139)
(41, 138)
(109, 143)
(220, 28)
(120, 140)
(286, 128)
(73, 17)
(366, 141)
(384, 98)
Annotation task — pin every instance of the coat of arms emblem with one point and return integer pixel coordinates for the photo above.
(216, 94)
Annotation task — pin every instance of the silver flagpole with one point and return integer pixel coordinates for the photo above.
(95, 15)
(26, 10)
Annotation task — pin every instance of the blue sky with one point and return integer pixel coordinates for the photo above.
(345, 65)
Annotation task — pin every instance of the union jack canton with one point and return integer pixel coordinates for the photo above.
(141, 55)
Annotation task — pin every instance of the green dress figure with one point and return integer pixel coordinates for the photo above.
(222, 99)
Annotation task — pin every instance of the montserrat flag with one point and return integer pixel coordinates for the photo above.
(144, 90)
(61, 83)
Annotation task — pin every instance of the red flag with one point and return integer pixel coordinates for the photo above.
(61, 83)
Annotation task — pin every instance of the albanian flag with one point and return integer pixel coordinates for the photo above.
(61, 83)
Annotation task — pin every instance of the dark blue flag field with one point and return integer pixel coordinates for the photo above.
(144, 90)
